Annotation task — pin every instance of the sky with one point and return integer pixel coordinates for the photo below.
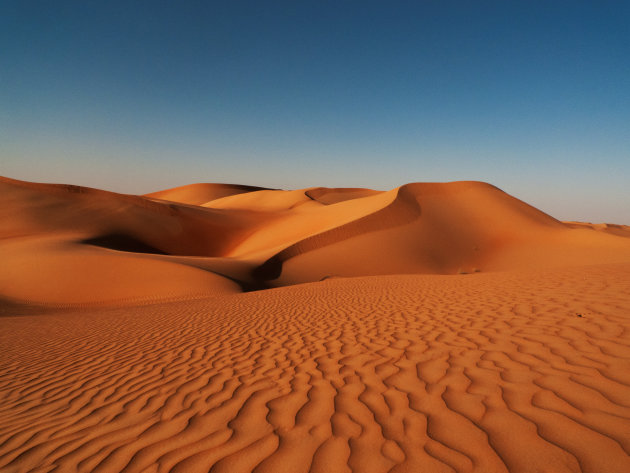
(137, 96)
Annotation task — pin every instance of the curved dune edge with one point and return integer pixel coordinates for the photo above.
(201, 193)
(330, 196)
(520, 372)
(294, 216)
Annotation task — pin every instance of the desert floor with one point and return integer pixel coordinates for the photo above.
(509, 371)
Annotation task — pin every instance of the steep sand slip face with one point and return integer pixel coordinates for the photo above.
(521, 371)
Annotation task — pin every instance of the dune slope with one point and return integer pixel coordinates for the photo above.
(94, 246)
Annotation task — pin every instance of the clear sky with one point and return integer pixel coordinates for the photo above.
(135, 96)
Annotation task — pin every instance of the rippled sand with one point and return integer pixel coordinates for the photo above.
(516, 372)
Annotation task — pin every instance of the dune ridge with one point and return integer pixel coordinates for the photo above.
(246, 238)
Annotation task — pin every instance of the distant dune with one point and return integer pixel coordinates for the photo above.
(199, 194)
(434, 327)
(95, 246)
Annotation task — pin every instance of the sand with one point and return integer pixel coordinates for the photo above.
(433, 327)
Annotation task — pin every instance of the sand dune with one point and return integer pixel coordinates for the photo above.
(72, 234)
(443, 229)
(614, 229)
(251, 238)
(432, 327)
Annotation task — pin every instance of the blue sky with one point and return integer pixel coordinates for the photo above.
(531, 96)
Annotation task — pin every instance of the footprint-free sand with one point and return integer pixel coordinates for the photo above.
(430, 328)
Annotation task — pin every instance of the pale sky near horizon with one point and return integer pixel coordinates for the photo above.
(531, 96)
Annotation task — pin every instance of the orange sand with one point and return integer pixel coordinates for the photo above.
(442, 327)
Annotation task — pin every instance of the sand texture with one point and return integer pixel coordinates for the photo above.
(224, 328)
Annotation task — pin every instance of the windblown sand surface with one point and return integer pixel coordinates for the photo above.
(127, 342)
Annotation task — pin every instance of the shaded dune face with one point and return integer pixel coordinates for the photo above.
(258, 238)
(122, 242)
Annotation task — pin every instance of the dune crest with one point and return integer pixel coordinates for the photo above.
(198, 194)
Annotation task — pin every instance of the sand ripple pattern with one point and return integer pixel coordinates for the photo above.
(484, 373)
